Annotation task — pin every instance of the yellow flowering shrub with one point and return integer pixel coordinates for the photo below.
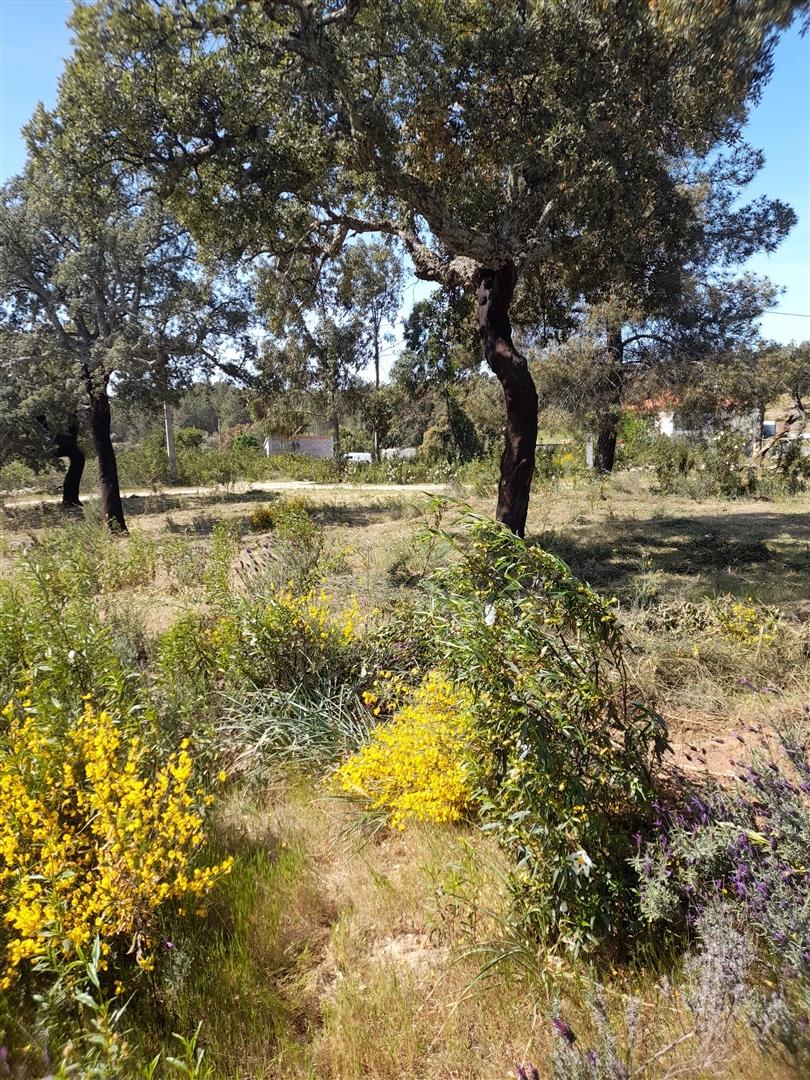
(413, 766)
(745, 622)
(286, 638)
(94, 836)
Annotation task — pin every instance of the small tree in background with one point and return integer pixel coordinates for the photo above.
(371, 286)
(39, 410)
(105, 289)
(316, 342)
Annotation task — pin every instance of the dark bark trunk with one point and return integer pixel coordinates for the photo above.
(109, 490)
(66, 445)
(494, 290)
(605, 455)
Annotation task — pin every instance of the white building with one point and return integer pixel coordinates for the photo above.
(314, 446)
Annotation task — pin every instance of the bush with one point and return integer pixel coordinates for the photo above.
(744, 848)
(246, 442)
(284, 639)
(301, 467)
(289, 518)
(714, 993)
(185, 438)
(564, 772)
(185, 666)
(746, 845)
(719, 467)
(95, 836)
(635, 438)
(309, 726)
(413, 767)
(15, 475)
(52, 638)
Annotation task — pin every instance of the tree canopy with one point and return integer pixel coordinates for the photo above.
(487, 136)
(102, 294)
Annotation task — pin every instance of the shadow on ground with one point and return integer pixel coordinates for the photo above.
(764, 554)
(362, 511)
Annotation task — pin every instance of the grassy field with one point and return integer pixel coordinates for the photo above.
(338, 951)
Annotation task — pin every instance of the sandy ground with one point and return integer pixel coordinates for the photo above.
(28, 501)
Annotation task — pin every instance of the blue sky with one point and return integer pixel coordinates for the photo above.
(34, 40)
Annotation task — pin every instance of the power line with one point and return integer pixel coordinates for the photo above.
(793, 314)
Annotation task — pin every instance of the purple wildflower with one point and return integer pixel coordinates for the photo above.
(564, 1031)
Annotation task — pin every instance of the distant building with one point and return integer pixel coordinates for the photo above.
(314, 446)
(672, 420)
(405, 453)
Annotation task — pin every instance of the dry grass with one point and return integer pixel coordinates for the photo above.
(335, 958)
(347, 958)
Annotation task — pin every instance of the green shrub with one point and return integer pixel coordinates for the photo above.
(262, 518)
(719, 467)
(300, 467)
(635, 439)
(480, 476)
(245, 442)
(53, 640)
(187, 438)
(285, 639)
(792, 468)
(288, 516)
(744, 847)
(185, 666)
(566, 755)
(14, 475)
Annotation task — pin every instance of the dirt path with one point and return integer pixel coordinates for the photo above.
(242, 488)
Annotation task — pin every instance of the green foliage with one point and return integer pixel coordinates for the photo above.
(450, 163)
(245, 442)
(566, 756)
(744, 846)
(719, 467)
(310, 726)
(792, 471)
(300, 467)
(689, 467)
(88, 1019)
(15, 475)
(634, 439)
(52, 636)
(185, 666)
(284, 639)
(453, 437)
(289, 517)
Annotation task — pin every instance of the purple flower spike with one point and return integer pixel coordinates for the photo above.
(564, 1031)
(527, 1074)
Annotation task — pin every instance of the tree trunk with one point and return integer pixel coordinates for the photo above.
(605, 455)
(171, 454)
(109, 490)
(336, 437)
(375, 432)
(759, 426)
(66, 445)
(494, 290)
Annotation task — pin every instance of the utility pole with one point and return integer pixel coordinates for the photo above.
(171, 454)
